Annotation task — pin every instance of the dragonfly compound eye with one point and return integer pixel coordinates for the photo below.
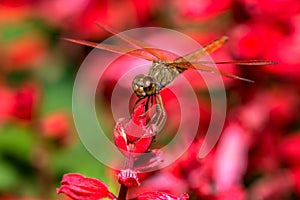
(143, 86)
(149, 85)
(138, 85)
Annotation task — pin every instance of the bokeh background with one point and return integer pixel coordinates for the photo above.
(258, 154)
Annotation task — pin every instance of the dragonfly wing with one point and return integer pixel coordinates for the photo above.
(202, 67)
(159, 55)
(140, 53)
(207, 49)
(239, 62)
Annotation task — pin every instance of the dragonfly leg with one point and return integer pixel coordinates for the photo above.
(159, 117)
(146, 102)
(148, 105)
(136, 103)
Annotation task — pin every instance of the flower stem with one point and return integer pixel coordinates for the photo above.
(123, 192)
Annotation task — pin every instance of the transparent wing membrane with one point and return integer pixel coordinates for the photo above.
(200, 53)
(189, 61)
(202, 67)
(158, 55)
(140, 53)
(239, 62)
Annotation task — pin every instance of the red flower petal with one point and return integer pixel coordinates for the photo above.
(79, 187)
(134, 131)
(120, 137)
(55, 126)
(289, 149)
(25, 102)
(142, 145)
(133, 137)
(136, 116)
(129, 178)
(160, 196)
(296, 179)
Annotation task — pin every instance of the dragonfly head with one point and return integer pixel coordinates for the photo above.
(143, 86)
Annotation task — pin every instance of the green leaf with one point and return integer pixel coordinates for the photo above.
(16, 141)
(78, 160)
(8, 176)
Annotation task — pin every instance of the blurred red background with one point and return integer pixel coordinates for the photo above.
(258, 154)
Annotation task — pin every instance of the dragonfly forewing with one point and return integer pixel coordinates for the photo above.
(158, 54)
(204, 51)
(140, 53)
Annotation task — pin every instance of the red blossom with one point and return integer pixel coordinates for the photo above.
(160, 196)
(25, 102)
(128, 178)
(135, 129)
(56, 126)
(231, 158)
(134, 136)
(201, 9)
(289, 149)
(296, 179)
(272, 9)
(63, 9)
(286, 50)
(116, 14)
(6, 103)
(236, 193)
(163, 181)
(277, 185)
(251, 40)
(29, 53)
(79, 187)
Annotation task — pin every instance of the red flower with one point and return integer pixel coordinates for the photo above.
(289, 149)
(116, 14)
(285, 50)
(56, 126)
(296, 179)
(231, 158)
(29, 52)
(25, 102)
(160, 196)
(272, 9)
(236, 193)
(276, 185)
(128, 178)
(197, 9)
(252, 40)
(6, 103)
(79, 187)
(134, 136)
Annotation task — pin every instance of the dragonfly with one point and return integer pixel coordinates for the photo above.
(165, 68)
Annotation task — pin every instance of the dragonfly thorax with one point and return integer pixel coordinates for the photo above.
(162, 74)
(143, 86)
